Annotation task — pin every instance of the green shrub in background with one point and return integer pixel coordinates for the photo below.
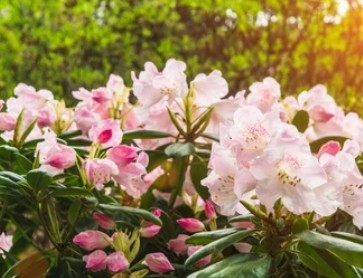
(65, 44)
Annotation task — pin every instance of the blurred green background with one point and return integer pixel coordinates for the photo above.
(62, 45)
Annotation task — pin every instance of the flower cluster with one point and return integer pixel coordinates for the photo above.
(177, 177)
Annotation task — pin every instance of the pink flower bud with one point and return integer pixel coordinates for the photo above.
(331, 147)
(117, 262)
(7, 122)
(243, 225)
(178, 245)
(104, 221)
(209, 210)
(202, 262)
(156, 212)
(90, 240)
(149, 229)
(158, 262)
(191, 225)
(243, 247)
(96, 261)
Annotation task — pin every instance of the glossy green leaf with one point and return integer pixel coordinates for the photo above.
(70, 134)
(208, 237)
(23, 164)
(242, 218)
(324, 262)
(74, 210)
(299, 225)
(38, 179)
(301, 120)
(218, 245)
(199, 171)
(27, 131)
(71, 192)
(145, 134)
(179, 149)
(144, 214)
(249, 265)
(347, 251)
(347, 236)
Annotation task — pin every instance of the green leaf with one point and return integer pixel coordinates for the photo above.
(144, 214)
(27, 132)
(74, 210)
(70, 134)
(208, 237)
(347, 251)
(324, 262)
(300, 225)
(347, 236)
(19, 122)
(250, 265)
(23, 164)
(210, 136)
(38, 179)
(199, 171)
(301, 120)
(315, 145)
(218, 245)
(79, 142)
(179, 149)
(242, 218)
(71, 192)
(144, 134)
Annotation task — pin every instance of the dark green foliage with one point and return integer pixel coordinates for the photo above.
(66, 44)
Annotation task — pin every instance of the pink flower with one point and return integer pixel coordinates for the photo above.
(100, 171)
(178, 245)
(264, 95)
(46, 116)
(117, 262)
(318, 103)
(115, 83)
(209, 210)
(7, 122)
(148, 229)
(107, 133)
(152, 85)
(191, 225)
(5, 242)
(104, 221)
(223, 181)
(130, 177)
(85, 117)
(101, 95)
(287, 170)
(202, 262)
(209, 89)
(96, 261)
(331, 147)
(90, 240)
(54, 154)
(122, 155)
(158, 262)
(250, 133)
(30, 99)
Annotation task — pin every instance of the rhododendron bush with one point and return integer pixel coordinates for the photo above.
(174, 179)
